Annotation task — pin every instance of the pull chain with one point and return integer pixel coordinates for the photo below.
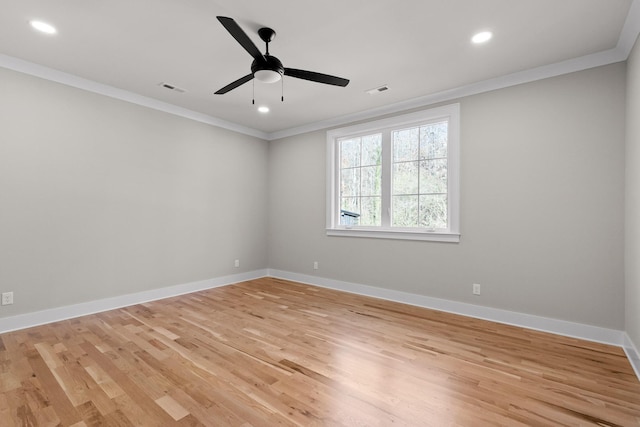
(253, 100)
(282, 89)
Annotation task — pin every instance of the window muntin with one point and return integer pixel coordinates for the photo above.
(396, 177)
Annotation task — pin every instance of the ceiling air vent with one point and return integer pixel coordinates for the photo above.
(377, 90)
(171, 87)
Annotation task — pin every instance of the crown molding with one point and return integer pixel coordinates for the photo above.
(626, 41)
(57, 76)
(547, 71)
(630, 30)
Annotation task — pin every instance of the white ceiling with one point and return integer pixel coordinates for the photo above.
(420, 48)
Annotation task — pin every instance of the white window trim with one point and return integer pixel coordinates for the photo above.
(452, 113)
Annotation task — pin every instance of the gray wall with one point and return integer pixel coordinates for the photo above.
(99, 197)
(542, 207)
(632, 214)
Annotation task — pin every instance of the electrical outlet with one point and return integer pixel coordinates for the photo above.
(476, 289)
(315, 265)
(237, 263)
(7, 298)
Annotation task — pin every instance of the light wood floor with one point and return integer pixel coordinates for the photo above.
(270, 352)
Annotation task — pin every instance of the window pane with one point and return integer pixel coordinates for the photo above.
(433, 211)
(406, 145)
(350, 204)
(405, 178)
(405, 211)
(350, 182)
(433, 176)
(433, 141)
(371, 211)
(371, 181)
(350, 153)
(371, 150)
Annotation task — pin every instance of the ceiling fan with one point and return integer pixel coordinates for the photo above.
(265, 67)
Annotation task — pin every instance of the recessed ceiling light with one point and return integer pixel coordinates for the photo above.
(482, 37)
(263, 109)
(43, 27)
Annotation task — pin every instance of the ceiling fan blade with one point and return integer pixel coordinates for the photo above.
(235, 84)
(316, 77)
(241, 37)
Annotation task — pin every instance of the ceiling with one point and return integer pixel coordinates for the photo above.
(421, 49)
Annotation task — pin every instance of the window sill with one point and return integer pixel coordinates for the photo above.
(395, 234)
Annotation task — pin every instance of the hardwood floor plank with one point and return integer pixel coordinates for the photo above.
(138, 396)
(172, 407)
(271, 352)
(59, 400)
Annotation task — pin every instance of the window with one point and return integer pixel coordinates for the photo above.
(396, 178)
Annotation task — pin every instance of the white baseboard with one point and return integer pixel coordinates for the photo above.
(632, 354)
(27, 320)
(545, 324)
(555, 326)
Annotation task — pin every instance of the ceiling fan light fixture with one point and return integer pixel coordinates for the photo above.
(267, 76)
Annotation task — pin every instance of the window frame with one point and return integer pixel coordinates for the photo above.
(387, 125)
